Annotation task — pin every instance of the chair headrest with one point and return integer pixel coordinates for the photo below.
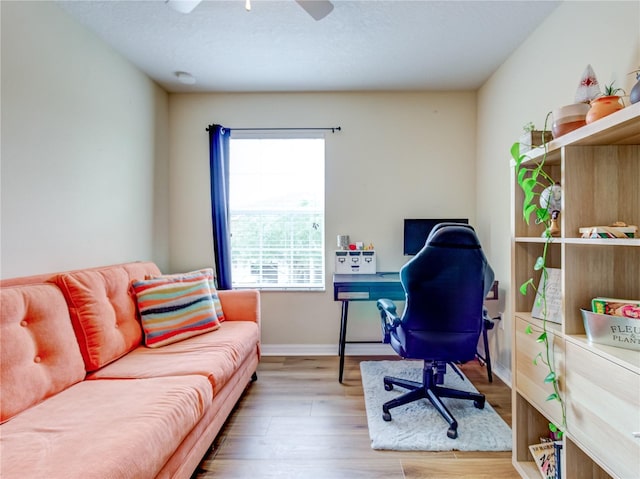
(453, 235)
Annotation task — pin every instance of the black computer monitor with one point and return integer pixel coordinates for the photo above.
(416, 232)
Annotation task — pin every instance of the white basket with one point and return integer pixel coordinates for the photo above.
(615, 331)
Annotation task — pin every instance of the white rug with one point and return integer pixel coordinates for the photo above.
(418, 426)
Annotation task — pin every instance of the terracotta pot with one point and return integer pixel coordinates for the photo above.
(603, 106)
(568, 118)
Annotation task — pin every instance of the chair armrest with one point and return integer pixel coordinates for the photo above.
(387, 306)
(240, 304)
(389, 318)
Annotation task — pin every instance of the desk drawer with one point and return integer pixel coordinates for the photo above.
(369, 293)
(347, 293)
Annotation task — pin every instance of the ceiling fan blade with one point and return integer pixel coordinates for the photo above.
(183, 6)
(318, 9)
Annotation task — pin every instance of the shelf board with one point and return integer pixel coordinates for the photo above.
(581, 241)
(626, 358)
(535, 239)
(619, 128)
(527, 469)
(603, 241)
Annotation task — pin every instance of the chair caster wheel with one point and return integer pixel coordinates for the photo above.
(452, 433)
(388, 387)
(478, 404)
(386, 416)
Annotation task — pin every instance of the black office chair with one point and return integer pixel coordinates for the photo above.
(445, 285)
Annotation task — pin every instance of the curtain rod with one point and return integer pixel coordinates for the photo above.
(333, 129)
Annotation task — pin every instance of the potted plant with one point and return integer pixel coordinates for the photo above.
(532, 138)
(606, 104)
(534, 180)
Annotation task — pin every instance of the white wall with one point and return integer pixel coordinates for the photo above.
(540, 76)
(398, 155)
(84, 149)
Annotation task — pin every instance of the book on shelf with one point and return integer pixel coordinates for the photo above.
(545, 456)
(627, 308)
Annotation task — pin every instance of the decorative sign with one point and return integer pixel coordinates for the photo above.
(553, 295)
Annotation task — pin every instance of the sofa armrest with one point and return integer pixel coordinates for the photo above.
(240, 304)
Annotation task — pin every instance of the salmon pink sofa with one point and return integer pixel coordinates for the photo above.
(83, 396)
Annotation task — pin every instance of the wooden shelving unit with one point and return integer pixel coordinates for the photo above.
(598, 166)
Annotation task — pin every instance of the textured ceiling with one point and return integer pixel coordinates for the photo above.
(277, 46)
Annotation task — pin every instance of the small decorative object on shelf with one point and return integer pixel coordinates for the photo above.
(532, 138)
(619, 229)
(551, 200)
(589, 88)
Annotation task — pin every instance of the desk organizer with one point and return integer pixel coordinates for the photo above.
(355, 262)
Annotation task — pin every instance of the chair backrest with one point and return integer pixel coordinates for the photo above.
(445, 286)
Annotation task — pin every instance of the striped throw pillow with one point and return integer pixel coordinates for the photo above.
(210, 276)
(174, 308)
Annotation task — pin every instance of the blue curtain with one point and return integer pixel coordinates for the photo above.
(219, 171)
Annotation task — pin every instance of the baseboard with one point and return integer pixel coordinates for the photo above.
(354, 349)
(503, 373)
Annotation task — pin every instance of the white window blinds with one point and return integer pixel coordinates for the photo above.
(277, 211)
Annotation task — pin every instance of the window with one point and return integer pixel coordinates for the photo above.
(276, 206)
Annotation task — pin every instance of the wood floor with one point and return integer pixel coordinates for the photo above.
(297, 421)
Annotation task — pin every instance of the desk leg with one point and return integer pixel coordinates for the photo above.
(343, 337)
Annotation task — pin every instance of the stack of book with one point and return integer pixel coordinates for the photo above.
(627, 308)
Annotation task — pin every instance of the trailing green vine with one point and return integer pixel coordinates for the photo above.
(533, 179)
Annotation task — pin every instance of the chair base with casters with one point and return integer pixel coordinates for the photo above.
(432, 375)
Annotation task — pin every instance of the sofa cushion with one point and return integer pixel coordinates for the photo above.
(39, 355)
(103, 310)
(99, 429)
(174, 308)
(215, 356)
